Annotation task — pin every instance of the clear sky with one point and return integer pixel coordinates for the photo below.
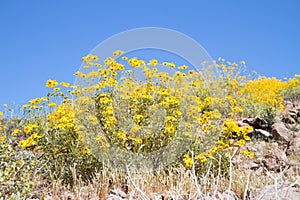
(45, 39)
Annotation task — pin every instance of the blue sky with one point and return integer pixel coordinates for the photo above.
(45, 39)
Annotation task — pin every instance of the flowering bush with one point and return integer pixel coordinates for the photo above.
(137, 108)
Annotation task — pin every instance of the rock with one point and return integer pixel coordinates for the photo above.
(251, 165)
(296, 134)
(294, 145)
(288, 105)
(279, 191)
(277, 119)
(242, 124)
(116, 194)
(257, 122)
(289, 119)
(293, 113)
(258, 148)
(274, 159)
(263, 133)
(260, 133)
(280, 132)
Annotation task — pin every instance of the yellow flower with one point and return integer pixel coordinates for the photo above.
(204, 129)
(153, 62)
(230, 126)
(86, 150)
(248, 153)
(201, 157)
(51, 104)
(84, 59)
(169, 128)
(35, 101)
(30, 141)
(187, 161)
(202, 119)
(237, 109)
(35, 135)
(1, 113)
(134, 62)
(64, 84)
(2, 138)
(170, 118)
(138, 118)
(117, 53)
(121, 135)
(241, 143)
(136, 139)
(51, 83)
(27, 129)
(182, 67)
(207, 101)
(105, 100)
(109, 110)
(177, 113)
(16, 131)
(23, 143)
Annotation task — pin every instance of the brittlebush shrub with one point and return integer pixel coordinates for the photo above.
(139, 107)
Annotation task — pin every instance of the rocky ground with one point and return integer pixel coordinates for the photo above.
(277, 153)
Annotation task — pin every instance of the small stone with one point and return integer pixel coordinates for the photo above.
(116, 194)
(251, 165)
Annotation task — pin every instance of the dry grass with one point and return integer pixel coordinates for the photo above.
(174, 183)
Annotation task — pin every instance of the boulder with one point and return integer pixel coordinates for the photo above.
(279, 191)
(274, 159)
(260, 133)
(257, 122)
(294, 144)
(280, 132)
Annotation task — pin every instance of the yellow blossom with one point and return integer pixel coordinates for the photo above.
(2, 138)
(51, 83)
(51, 104)
(86, 150)
(16, 131)
(153, 62)
(65, 84)
(187, 161)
